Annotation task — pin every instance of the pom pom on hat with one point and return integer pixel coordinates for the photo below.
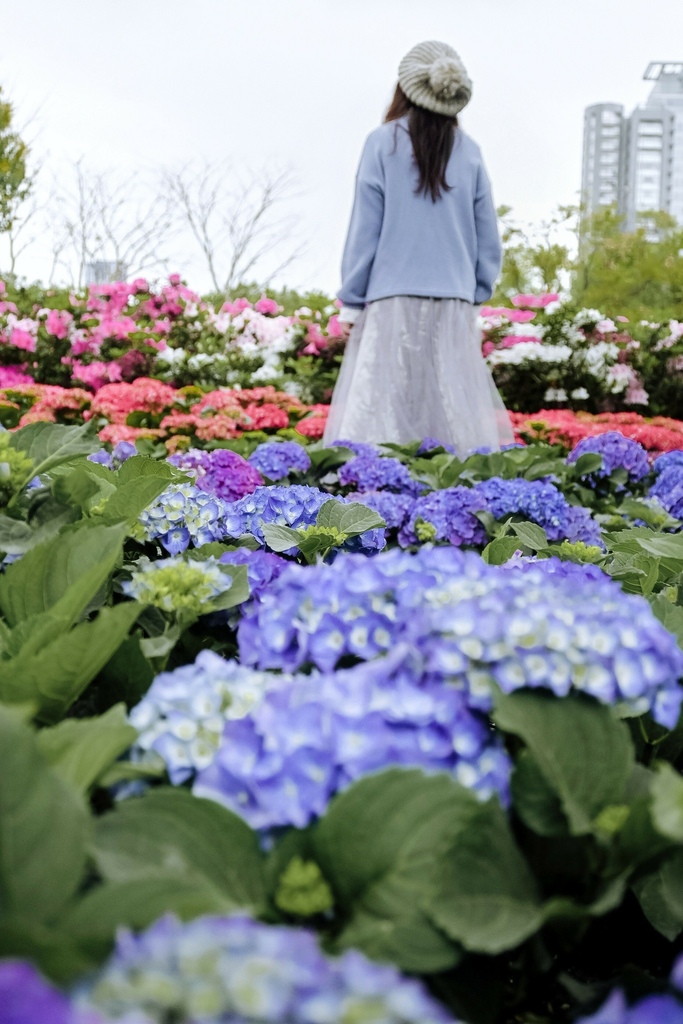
(433, 76)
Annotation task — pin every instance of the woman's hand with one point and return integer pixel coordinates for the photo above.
(344, 330)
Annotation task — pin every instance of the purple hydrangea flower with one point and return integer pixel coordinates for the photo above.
(277, 459)
(357, 447)
(657, 1009)
(114, 459)
(667, 459)
(296, 506)
(220, 472)
(448, 515)
(263, 567)
(395, 509)
(473, 624)
(26, 998)
(252, 973)
(668, 488)
(541, 503)
(375, 473)
(429, 443)
(617, 451)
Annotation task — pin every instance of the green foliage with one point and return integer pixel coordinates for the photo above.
(15, 183)
(335, 524)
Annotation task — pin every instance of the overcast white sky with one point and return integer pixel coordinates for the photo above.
(139, 83)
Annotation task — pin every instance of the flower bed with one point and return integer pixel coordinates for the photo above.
(294, 733)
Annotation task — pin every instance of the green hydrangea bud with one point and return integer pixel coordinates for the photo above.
(15, 468)
(303, 890)
(580, 552)
(424, 531)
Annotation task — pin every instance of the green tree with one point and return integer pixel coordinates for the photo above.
(535, 260)
(638, 274)
(15, 182)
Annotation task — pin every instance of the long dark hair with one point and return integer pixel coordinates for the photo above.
(432, 136)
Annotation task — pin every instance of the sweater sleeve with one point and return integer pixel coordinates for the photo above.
(364, 228)
(489, 249)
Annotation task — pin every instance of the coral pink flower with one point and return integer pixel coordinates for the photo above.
(57, 323)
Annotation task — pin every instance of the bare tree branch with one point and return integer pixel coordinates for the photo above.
(236, 228)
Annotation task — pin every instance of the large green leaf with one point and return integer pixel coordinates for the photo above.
(62, 575)
(50, 444)
(379, 846)
(534, 800)
(139, 481)
(81, 749)
(56, 675)
(486, 896)
(660, 894)
(280, 538)
(669, 614)
(352, 519)
(43, 829)
(18, 537)
(137, 904)
(170, 833)
(667, 802)
(584, 752)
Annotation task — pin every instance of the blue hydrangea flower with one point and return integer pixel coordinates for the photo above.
(263, 567)
(395, 509)
(473, 624)
(114, 459)
(357, 447)
(666, 460)
(234, 970)
(26, 998)
(296, 506)
(542, 503)
(446, 515)
(657, 1009)
(277, 459)
(182, 515)
(183, 713)
(668, 487)
(617, 451)
(311, 737)
(375, 473)
(429, 443)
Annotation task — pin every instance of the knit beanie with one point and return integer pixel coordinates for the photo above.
(433, 76)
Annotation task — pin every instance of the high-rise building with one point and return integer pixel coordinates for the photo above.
(636, 161)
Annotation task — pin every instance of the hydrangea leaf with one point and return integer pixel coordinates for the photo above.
(58, 673)
(667, 802)
(44, 828)
(660, 894)
(58, 955)
(669, 614)
(531, 535)
(61, 575)
(588, 463)
(280, 538)
(170, 833)
(500, 550)
(486, 896)
(351, 520)
(81, 749)
(18, 537)
(383, 878)
(50, 444)
(83, 485)
(534, 800)
(132, 498)
(584, 752)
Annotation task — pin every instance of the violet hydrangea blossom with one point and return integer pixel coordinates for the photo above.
(542, 503)
(26, 998)
(447, 515)
(617, 451)
(474, 625)
(235, 970)
(277, 459)
(183, 514)
(375, 473)
(220, 472)
(116, 457)
(311, 737)
(668, 487)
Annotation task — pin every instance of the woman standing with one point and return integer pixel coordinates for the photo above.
(422, 252)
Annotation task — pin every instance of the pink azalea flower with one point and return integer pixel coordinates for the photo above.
(3, 287)
(487, 348)
(57, 323)
(266, 305)
(622, 319)
(520, 316)
(12, 376)
(22, 339)
(236, 307)
(140, 284)
(175, 279)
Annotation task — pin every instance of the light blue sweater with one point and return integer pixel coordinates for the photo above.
(402, 244)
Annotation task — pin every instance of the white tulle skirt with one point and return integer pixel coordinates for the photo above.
(413, 369)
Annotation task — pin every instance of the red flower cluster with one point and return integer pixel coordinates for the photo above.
(561, 426)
